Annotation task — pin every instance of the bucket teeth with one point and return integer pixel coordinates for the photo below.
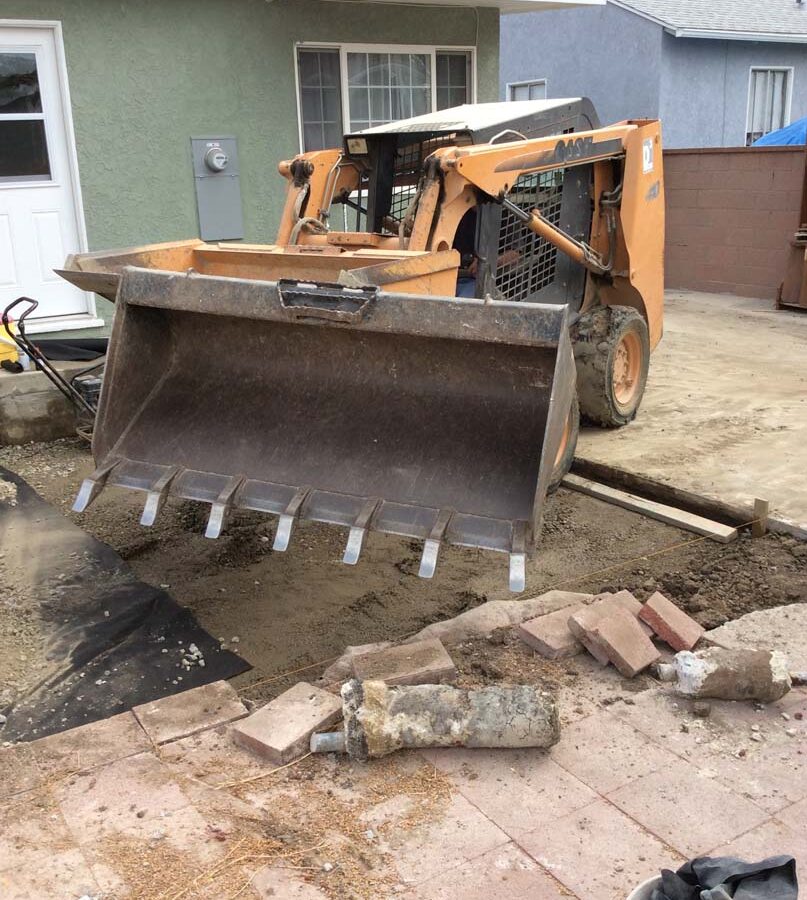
(221, 506)
(156, 496)
(284, 525)
(92, 486)
(290, 503)
(518, 558)
(428, 561)
(358, 529)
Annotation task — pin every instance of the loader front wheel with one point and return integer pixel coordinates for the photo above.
(612, 352)
(568, 443)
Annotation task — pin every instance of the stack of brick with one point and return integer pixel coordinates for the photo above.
(615, 629)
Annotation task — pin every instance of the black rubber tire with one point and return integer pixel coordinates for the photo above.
(596, 337)
(564, 462)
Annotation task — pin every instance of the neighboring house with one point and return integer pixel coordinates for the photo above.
(716, 72)
(99, 101)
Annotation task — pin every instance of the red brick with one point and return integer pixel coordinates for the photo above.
(622, 639)
(582, 622)
(280, 731)
(421, 662)
(550, 636)
(670, 623)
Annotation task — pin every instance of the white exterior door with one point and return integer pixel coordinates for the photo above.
(40, 216)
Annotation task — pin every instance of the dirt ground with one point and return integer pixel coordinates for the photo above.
(286, 611)
(725, 411)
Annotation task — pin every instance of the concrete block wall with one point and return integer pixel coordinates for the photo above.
(32, 409)
(731, 213)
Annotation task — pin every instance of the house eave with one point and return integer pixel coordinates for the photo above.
(763, 37)
(713, 34)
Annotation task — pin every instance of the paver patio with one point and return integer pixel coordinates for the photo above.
(635, 784)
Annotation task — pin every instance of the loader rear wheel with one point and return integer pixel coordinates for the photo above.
(568, 443)
(612, 352)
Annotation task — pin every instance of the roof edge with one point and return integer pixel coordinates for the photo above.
(771, 37)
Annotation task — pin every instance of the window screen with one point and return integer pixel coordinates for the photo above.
(529, 90)
(320, 98)
(767, 102)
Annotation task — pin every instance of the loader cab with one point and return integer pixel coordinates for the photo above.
(500, 258)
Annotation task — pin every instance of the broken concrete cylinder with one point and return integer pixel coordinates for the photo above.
(732, 674)
(379, 719)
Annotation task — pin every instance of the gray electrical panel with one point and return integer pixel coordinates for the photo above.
(218, 188)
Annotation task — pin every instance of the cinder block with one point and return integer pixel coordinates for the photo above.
(281, 730)
(421, 662)
(670, 623)
(550, 636)
(621, 638)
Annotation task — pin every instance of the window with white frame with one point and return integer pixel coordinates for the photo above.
(768, 102)
(353, 87)
(527, 90)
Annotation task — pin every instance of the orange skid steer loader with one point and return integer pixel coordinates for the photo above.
(445, 295)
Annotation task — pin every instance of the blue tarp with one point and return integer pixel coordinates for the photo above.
(795, 133)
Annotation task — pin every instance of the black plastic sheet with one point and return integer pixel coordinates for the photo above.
(111, 641)
(773, 878)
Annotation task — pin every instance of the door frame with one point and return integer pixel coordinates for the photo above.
(90, 318)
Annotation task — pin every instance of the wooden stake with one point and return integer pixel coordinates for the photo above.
(760, 524)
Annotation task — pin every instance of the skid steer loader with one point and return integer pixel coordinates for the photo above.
(444, 294)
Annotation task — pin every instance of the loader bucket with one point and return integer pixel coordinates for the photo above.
(433, 417)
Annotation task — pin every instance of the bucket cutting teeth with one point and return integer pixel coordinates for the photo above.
(360, 515)
(358, 529)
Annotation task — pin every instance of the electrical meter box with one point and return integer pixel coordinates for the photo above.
(218, 188)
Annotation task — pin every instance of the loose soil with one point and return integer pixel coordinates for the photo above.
(297, 610)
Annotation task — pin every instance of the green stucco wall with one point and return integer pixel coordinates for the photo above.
(146, 75)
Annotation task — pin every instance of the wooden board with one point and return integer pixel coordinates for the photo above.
(668, 514)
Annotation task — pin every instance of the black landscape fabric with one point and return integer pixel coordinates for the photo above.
(772, 879)
(111, 642)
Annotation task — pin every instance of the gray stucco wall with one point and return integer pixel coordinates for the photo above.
(704, 88)
(145, 75)
(601, 52)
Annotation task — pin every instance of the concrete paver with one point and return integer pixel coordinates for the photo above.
(606, 753)
(606, 808)
(94, 744)
(670, 623)
(65, 875)
(598, 852)
(490, 779)
(18, 770)
(550, 635)
(506, 873)
(280, 730)
(461, 834)
(31, 830)
(118, 797)
(771, 838)
(274, 884)
(182, 714)
(687, 808)
(419, 662)
(623, 641)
